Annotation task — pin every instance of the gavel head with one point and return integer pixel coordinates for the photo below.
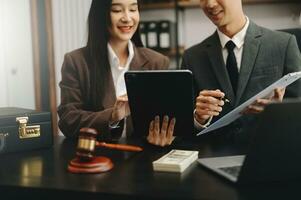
(86, 144)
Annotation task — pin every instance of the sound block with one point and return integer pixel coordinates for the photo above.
(96, 165)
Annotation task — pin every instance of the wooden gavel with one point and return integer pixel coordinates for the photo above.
(87, 144)
(86, 161)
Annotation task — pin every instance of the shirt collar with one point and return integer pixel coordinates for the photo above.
(114, 60)
(238, 38)
(131, 53)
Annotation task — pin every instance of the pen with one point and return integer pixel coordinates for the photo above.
(123, 147)
(225, 99)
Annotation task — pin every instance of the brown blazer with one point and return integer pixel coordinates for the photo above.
(75, 87)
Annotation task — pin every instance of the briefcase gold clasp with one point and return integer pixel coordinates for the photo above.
(27, 131)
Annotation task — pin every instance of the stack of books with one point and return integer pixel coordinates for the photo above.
(175, 161)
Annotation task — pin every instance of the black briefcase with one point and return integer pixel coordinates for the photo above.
(23, 129)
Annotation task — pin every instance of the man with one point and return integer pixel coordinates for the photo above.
(239, 60)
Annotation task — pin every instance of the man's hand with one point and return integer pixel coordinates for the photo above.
(208, 104)
(259, 105)
(161, 136)
(121, 109)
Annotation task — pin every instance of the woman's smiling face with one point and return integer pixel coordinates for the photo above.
(124, 20)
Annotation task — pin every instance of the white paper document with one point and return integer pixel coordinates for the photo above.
(236, 113)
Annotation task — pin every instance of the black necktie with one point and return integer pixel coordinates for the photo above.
(231, 65)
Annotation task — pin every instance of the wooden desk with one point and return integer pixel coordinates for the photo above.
(42, 175)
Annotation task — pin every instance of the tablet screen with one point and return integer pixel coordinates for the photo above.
(164, 92)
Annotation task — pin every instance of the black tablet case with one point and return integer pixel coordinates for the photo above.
(161, 93)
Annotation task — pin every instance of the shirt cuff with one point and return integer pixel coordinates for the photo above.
(198, 125)
(113, 125)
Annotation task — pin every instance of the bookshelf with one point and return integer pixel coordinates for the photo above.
(195, 4)
(178, 50)
(161, 5)
(173, 52)
(179, 7)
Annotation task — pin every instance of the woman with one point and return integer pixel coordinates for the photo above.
(93, 91)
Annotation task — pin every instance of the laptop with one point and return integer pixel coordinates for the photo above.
(274, 153)
(161, 92)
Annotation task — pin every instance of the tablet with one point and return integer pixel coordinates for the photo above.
(161, 92)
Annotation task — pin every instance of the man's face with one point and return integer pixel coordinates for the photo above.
(221, 12)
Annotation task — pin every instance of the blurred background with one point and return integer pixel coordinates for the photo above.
(35, 35)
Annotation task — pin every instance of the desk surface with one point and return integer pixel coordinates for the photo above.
(43, 174)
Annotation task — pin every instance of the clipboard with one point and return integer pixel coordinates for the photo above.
(236, 113)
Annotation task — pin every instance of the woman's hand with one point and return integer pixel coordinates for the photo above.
(121, 109)
(161, 136)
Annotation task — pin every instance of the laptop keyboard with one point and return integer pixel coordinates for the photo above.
(233, 170)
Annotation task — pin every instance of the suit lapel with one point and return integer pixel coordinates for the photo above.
(138, 63)
(218, 65)
(250, 51)
(109, 93)
(139, 60)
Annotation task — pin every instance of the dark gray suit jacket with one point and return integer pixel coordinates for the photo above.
(267, 56)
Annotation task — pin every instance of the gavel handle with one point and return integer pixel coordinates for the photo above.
(123, 147)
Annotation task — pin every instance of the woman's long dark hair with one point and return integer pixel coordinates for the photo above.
(99, 21)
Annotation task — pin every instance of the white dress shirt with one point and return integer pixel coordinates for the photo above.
(118, 70)
(118, 75)
(239, 40)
